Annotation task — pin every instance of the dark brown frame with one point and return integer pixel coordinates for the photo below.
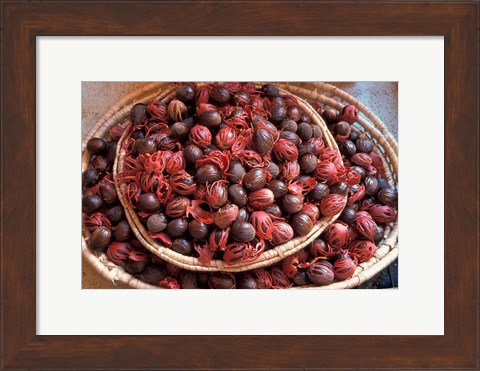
(23, 21)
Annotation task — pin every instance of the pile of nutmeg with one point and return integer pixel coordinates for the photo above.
(228, 171)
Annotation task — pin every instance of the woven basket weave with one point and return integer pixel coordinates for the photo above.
(327, 94)
(268, 258)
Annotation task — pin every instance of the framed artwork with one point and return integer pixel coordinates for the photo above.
(26, 346)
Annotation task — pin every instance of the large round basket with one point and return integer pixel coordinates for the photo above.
(327, 94)
(268, 258)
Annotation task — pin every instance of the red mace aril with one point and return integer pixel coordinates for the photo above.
(177, 208)
(261, 199)
(118, 252)
(116, 132)
(348, 114)
(285, 150)
(262, 222)
(332, 204)
(290, 170)
(279, 279)
(356, 193)
(319, 145)
(319, 248)
(182, 183)
(264, 280)
(175, 163)
(177, 110)
(158, 110)
(169, 283)
(217, 193)
(290, 265)
(200, 136)
(235, 253)
(325, 171)
(205, 255)
(218, 239)
(365, 225)
(362, 250)
(383, 213)
(222, 280)
(361, 159)
(226, 137)
(311, 210)
(344, 267)
(225, 216)
(336, 235)
(367, 204)
(281, 233)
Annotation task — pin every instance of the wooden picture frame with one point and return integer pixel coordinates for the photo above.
(22, 22)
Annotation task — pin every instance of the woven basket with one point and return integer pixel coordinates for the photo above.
(387, 149)
(329, 95)
(268, 258)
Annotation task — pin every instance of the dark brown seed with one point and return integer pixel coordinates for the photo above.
(149, 203)
(304, 131)
(108, 193)
(138, 113)
(182, 246)
(288, 125)
(308, 163)
(291, 204)
(177, 227)
(270, 90)
(246, 281)
(237, 170)
(354, 134)
(180, 130)
(278, 113)
(90, 177)
(348, 215)
(116, 215)
(100, 238)
(321, 273)
(263, 141)
(96, 146)
(237, 195)
(301, 278)
(273, 169)
(111, 153)
(278, 188)
(383, 183)
(220, 280)
(306, 148)
(274, 210)
(91, 203)
(330, 116)
(138, 134)
(317, 132)
(371, 185)
(145, 146)
(185, 93)
(301, 224)
(188, 280)
(291, 137)
(135, 267)
(340, 188)
(123, 231)
(294, 113)
(157, 223)
(242, 231)
(348, 148)
(219, 95)
(378, 236)
(364, 145)
(320, 191)
(243, 215)
(242, 99)
(153, 274)
(208, 173)
(388, 196)
(100, 164)
(255, 179)
(198, 230)
(210, 119)
(192, 153)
